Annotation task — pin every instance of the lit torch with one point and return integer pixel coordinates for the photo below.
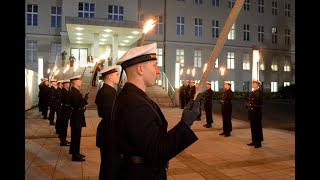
(181, 71)
(193, 72)
(146, 28)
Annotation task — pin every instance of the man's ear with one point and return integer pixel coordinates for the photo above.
(139, 69)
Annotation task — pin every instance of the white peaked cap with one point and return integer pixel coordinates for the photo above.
(75, 77)
(53, 80)
(256, 81)
(109, 70)
(137, 55)
(65, 81)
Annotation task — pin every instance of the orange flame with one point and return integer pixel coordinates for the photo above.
(181, 71)
(193, 71)
(55, 73)
(149, 25)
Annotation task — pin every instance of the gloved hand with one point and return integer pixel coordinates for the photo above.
(191, 111)
(86, 97)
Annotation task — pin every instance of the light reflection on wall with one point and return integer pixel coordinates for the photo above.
(40, 69)
(177, 76)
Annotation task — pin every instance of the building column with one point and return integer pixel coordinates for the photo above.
(115, 44)
(95, 46)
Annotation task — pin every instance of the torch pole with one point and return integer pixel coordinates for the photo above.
(220, 43)
(141, 42)
(83, 71)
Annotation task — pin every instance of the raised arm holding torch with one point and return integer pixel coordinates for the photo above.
(220, 43)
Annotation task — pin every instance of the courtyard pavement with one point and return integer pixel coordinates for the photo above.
(211, 157)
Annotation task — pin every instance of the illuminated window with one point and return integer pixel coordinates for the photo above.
(31, 51)
(246, 61)
(215, 86)
(274, 63)
(230, 60)
(286, 84)
(180, 56)
(274, 86)
(286, 67)
(197, 58)
(159, 56)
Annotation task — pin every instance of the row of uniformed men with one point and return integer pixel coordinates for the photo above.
(132, 136)
(66, 102)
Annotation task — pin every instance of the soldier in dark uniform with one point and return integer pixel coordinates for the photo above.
(139, 128)
(187, 91)
(41, 85)
(44, 96)
(104, 101)
(64, 113)
(207, 98)
(77, 120)
(253, 105)
(59, 89)
(226, 109)
(54, 101)
(192, 89)
(182, 95)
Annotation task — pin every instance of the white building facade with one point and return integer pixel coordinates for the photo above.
(186, 33)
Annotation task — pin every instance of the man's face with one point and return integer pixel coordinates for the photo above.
(114, 77)
(226, 86)
(150, 72)
(208, 86)
(77, 82)
(54, 83)
(254, 85)
(66, 85)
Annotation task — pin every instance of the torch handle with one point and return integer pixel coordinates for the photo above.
(83, 71)
(220, 43)
(141, 42)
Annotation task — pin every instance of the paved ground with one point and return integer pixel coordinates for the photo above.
(211, 157)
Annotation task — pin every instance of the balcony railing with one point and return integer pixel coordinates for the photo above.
(165, 84)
